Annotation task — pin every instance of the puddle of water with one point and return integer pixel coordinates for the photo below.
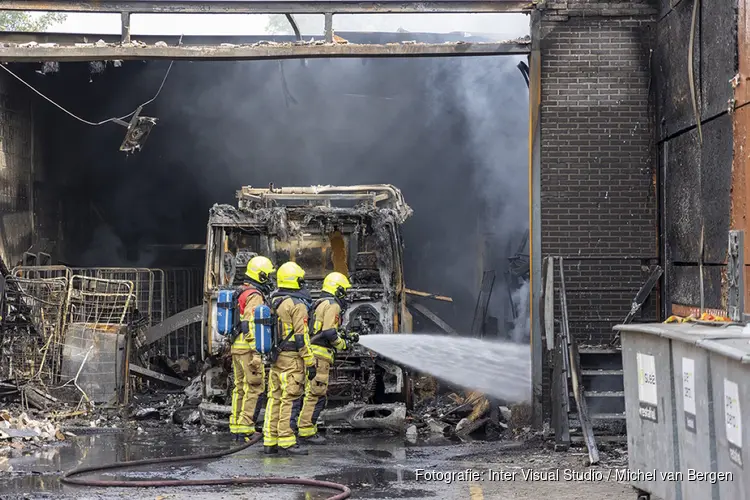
(368, 482)
(379, 453)
(355, 477)
(373, 466)
(37, 471)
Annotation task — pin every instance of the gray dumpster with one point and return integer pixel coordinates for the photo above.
(730, 379)
(694, 400)
(647, 380)
(665, 369)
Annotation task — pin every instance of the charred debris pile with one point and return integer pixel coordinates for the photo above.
(88, 349)
(50, 392)
(73, 346)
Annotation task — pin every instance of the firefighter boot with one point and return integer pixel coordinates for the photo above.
(293, 450)
(270, 450)
(314, 439)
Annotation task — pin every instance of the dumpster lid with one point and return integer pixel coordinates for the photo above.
(737, 348)
(691, 333)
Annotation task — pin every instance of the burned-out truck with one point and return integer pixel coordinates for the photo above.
(355, 230)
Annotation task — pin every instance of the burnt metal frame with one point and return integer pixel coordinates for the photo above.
(91, 52)
(271, 6)
(535, 217)
(331, 7)
(325, 7)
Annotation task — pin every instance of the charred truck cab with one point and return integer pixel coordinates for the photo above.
(355, 230)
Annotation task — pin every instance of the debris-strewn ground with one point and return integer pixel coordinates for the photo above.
(26, 428)
(22, 431)
(373, 465)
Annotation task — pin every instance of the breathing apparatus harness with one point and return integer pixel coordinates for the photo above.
(277, 298)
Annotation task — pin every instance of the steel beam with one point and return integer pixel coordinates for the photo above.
(125, 27)
(253, 52)
(535, 217)
(270, 7)
(21, 37)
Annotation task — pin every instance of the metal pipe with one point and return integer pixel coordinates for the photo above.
(606, 257)
(295, 28)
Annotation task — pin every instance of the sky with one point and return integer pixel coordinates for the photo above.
(506, 25)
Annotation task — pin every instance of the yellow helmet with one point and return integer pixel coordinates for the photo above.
(259, 268)
(336, 284)
(290, 276)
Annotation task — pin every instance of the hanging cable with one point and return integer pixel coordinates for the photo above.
(93, 124)
(288, 97)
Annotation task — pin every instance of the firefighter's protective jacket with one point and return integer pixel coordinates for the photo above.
(292, 316)
(326, 340)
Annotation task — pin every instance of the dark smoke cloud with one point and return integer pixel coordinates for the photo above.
(494, 102)
(451, 133)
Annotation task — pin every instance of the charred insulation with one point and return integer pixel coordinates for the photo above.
(451, 133)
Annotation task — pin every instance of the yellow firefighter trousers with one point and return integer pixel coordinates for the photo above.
(285, 384)
(315, 399)
(249, 384)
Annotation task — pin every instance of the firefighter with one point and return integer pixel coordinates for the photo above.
(247, 365)
(293, 360)
(325, 341)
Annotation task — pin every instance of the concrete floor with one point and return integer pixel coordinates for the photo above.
(373, 466)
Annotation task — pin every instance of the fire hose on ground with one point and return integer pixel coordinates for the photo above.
(69, 477)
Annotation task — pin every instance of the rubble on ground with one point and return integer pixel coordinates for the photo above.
(36, 416)
(467, 416)
(21, 431)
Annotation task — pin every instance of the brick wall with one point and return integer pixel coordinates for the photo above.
(598, 180)
(598, 177)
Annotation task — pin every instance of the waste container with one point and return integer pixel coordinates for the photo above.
(694, 400)
(729, 361)
(649, 399)
(665, 368)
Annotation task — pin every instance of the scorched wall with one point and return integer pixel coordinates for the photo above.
(39, 202)
(695, 165)
(17, 166)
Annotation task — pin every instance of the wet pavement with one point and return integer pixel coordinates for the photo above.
(372, 465)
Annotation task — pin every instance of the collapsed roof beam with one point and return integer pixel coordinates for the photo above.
(271, 7)
(93, 52)
(71, 39)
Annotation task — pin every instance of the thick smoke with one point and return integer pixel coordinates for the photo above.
(522, 323)
(107, 249)
(497, 129)
(450, 132)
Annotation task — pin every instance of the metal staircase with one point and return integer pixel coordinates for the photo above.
(602, 380)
